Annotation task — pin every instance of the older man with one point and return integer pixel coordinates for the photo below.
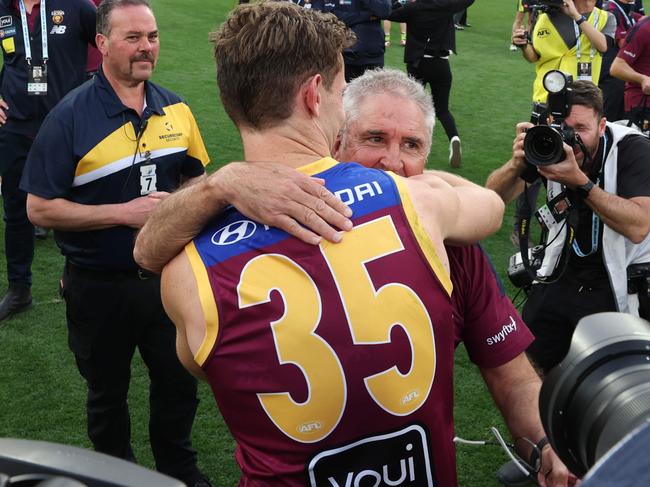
(389, 123)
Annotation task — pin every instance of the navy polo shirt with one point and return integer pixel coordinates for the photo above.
(89, 151)
(71, 27)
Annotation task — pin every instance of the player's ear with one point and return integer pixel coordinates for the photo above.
(311, 94)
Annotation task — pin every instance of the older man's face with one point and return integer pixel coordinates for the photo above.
(389, 134)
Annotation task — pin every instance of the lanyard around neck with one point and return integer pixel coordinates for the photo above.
(595, 220)
(28, 46)
(576, 29)
(629, 19)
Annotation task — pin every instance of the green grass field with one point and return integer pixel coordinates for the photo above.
(41, 393)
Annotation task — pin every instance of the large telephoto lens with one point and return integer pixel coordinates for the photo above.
(543, 146)
(600, 392)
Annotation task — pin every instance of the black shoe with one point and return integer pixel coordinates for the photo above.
(510, 476)
(17, 299)
(199, 480)
(40, 232)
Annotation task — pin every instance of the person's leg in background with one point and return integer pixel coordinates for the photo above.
(19, 232)
(386, 33)
(437, 72)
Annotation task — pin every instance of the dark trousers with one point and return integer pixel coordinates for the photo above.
(355, 70)
(460, 18)
(437, 73)
(553, 311)
(19, 232)
(108, 317)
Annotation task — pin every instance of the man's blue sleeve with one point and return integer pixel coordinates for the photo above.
(50, 167)
(361, 11)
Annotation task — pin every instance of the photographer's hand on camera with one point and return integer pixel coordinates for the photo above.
(569, 8)
(552, 472)
(520, 37)
(518, 156)
(565, 172)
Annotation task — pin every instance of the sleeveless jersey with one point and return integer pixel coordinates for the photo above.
(332, 364)
(554, 53)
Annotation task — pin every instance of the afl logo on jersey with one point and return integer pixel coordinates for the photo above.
(234, 232)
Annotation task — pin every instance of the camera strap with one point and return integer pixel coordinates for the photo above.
(524, 233)
(638, 281)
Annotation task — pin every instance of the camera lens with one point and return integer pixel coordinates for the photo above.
(543, 146)
(600, 392)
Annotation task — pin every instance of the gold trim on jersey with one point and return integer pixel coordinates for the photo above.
(421, 235)
(208, 304)
(175, 132)
(319, 166)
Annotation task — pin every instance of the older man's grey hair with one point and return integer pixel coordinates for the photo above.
(389, 82)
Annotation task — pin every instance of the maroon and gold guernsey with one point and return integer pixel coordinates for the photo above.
(332, 364)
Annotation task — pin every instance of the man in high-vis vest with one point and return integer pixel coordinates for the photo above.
(571, 39)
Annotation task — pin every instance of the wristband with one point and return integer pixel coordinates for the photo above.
(580, 20)
(535, 459)
(584, 189)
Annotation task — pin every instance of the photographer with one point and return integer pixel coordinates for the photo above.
(606, 176)
(569, 36)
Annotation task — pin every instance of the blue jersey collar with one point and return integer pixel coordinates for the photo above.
(112, 103)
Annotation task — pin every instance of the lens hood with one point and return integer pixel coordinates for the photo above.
(600, 391)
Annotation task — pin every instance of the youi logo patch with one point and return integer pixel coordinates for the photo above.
(234, 232)
(398, 458)
(5, 21)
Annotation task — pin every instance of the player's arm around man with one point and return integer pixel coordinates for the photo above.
(266, 192)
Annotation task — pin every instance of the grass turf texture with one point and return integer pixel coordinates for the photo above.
(41, 393)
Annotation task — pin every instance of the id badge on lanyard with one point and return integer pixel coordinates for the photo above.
(148, 177)
(37, 80)
(583, 70)
(36, 74)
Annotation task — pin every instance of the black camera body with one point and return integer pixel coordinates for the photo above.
(544, 143)
(519, 275)
(542, 5)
